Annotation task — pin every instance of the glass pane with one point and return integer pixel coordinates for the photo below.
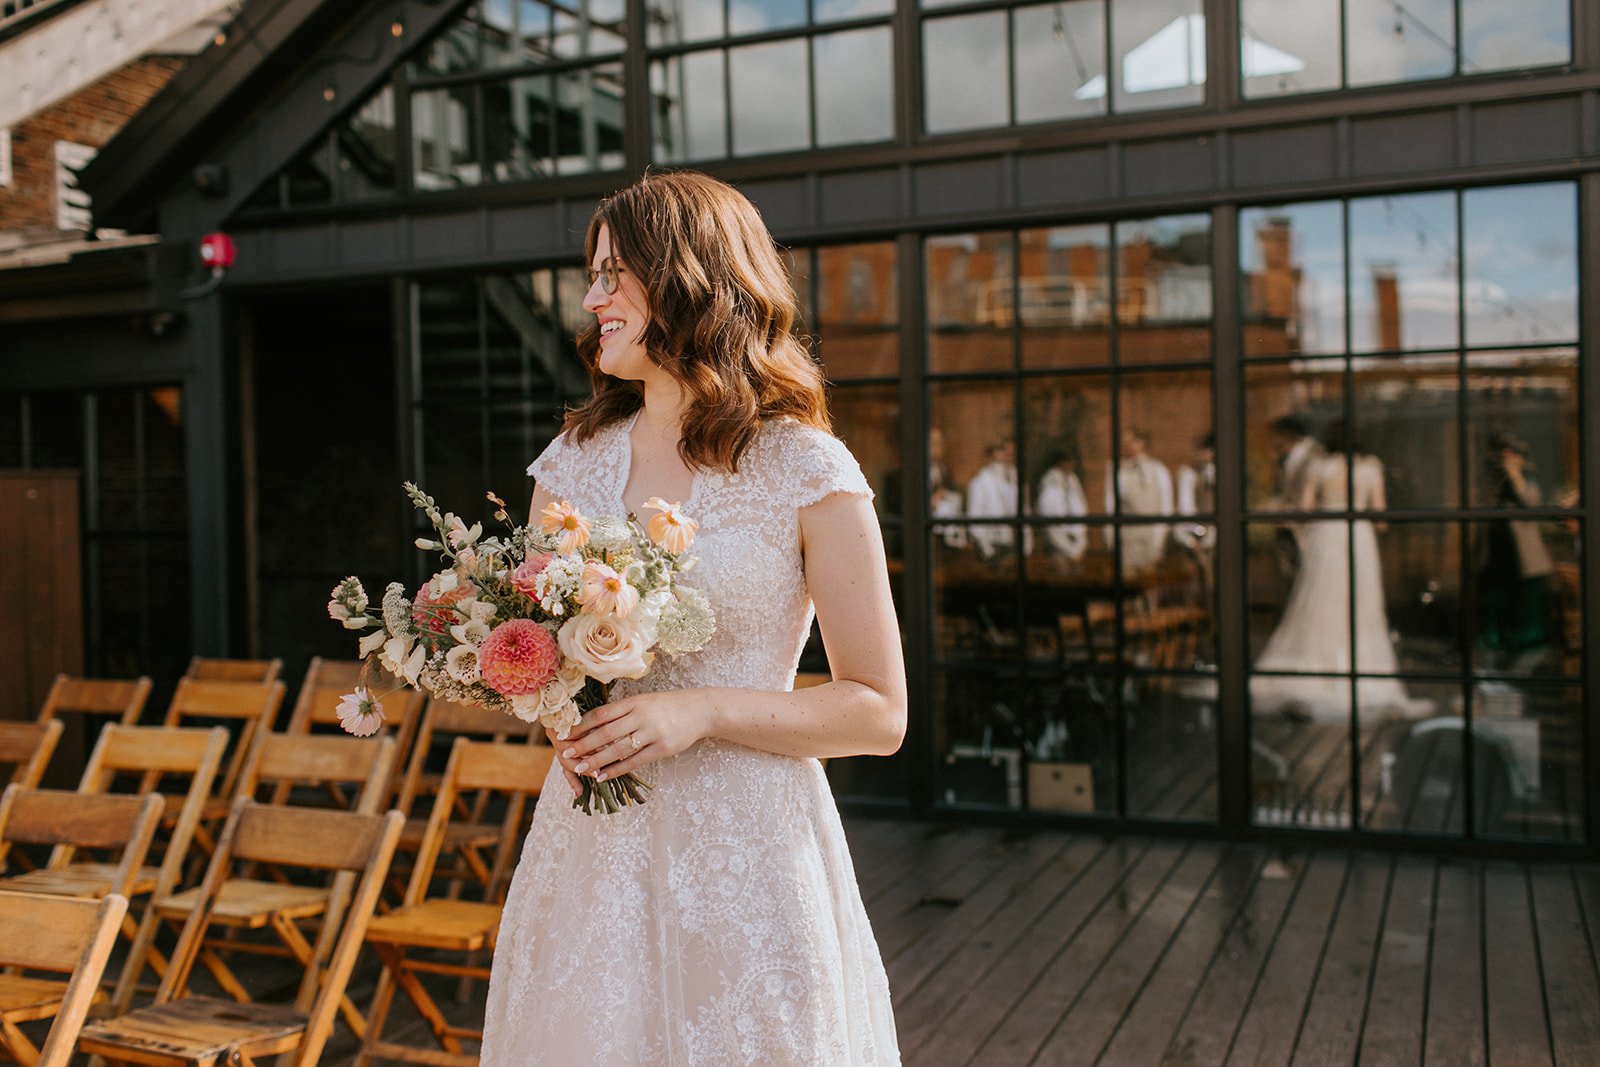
(839, 10)
(572, 283)
(11, 443)
(1521, 247)
(444, 138)
(595, 29)
(976, 422)
(1497, 36)
(980, 723)
(589, 119)
(1522, 419)
(975, 45)
(801, 273)
(1288, 46)
(1287, 407)
(1159, 55)
(454, 50)
(1067, 436)
(1162, 418)
(1405, 429)
(1060, 54)
(453, 460)
(1300, 767)
(855, 86)
(1389, 42)
(1409, 617)
(758, 16)
(1172, 748)
(119, 433)
(1403, 289)
(1411, 775)
(1530, 742)
(1164, 289)
(448, 340)
(769, 88)
(1528, 615)
(368, 153)
(867, 419)
(679, 21)
(1299, 613)
(969, 302)
(684, 132)
(1070, 740)
(515, 32)
(55, 423)
(1292, 261)
(517, 128)
(165, 473)
(858, 310)
(1063, 290)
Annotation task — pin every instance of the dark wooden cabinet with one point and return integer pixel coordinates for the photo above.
(41, 586)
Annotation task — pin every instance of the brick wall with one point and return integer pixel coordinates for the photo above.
(90, 117)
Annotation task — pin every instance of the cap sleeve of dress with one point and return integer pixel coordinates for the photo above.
(821, 466)
(547, 470)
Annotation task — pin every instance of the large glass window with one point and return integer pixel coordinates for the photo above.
(716, 92)
(1071, 517)
(1299, 46)
(1046, 62)
(1411, 480)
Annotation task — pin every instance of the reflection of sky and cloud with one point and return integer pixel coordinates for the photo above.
(1413, 240)
(1521, 264)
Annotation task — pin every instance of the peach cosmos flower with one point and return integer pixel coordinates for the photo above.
(563, 520)
(605, 592)
(672, 529)
(518, 658)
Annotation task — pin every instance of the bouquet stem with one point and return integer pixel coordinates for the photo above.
(613, 794)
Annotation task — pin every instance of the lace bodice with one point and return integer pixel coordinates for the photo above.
(748, 545)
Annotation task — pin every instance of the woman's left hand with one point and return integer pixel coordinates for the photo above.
(630, 733)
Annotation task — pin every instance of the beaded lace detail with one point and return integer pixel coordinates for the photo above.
(720, 922)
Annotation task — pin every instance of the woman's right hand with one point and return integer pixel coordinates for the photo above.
(566, 765)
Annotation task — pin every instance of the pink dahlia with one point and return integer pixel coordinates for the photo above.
(518, 658)
(523, 577)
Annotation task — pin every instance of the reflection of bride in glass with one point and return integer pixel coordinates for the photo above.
(1314, 633)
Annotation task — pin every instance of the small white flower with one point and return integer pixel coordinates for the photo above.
(427, 545)
(460, 536)
(462, 664)
(359, 714)
(372, 642)
(562, 719)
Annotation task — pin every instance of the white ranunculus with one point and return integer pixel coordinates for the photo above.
(607, 648)
(562, 719)
(462, 664)
(372, 642)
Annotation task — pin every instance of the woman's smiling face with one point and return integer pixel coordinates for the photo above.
(622, 315)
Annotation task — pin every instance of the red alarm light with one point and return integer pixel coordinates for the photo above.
(217, 251)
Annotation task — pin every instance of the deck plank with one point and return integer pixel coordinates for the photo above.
(1571, 985)
(1454, 1023)
(1392, 1032)
(1518, 1034)
(1331, 1033)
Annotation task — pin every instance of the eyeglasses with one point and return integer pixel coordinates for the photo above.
(609, 269)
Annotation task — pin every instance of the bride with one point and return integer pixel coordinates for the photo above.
(719, 922)
(1314, 633)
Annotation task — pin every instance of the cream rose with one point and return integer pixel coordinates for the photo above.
(606, 648)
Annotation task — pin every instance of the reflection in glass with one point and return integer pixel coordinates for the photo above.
(444, 138)
(515, 32)
(1535, 785)
(1300, 769)
(975, 618)
(767, 82)
(759, 16)
(688, 108)
(1499, 36)
(1292, 261)
(1286, 407)
(589, 119)
(1066, 426)
(974, 423)
(1406, 418)
(970, 302)
(454, 50)
(517, 127)
(799, 262)
(1164, 422)
(679, 21)
(1403, 286)
(1172, 749)
(1527, 618)
(867, 419)
(1521, 249)
(839, 10)
(1064, 292)
(1164, 289)
(595, 29)
(1288, 46)
(1526, 401)
(1070, 743)
(1158, 53)
(368, 152)
(976, 46)
(1411, 774)
(855, 86)
(1389, 42)
(981, 730)
(858, 310)
(1420, 591)
(1059, 52)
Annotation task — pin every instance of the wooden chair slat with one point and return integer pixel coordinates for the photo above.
(96, 696)
(317, 838)
(222, 700)
(28, 746)
(172, 750)
(86, 820)
(207, 669)
(56, 934)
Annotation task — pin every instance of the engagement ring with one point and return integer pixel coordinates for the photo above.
(636, 744)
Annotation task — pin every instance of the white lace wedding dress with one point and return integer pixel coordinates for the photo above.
(1314, 632)
(719, 923)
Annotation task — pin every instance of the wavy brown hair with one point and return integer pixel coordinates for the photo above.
(722, 317)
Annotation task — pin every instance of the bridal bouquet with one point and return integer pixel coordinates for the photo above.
(537, 622)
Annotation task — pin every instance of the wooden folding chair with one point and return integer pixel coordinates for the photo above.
(468, 835)
(459, 927)
(26, 747)
(67, 822)
(62, 935)
(206, 1031)
(206, 669)
(124, 698)
(277, 904)
(325, 685)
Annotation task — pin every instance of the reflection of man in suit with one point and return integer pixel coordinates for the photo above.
(1197, 495)
(1297, 453)
(1145, 486)
(992, 494)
